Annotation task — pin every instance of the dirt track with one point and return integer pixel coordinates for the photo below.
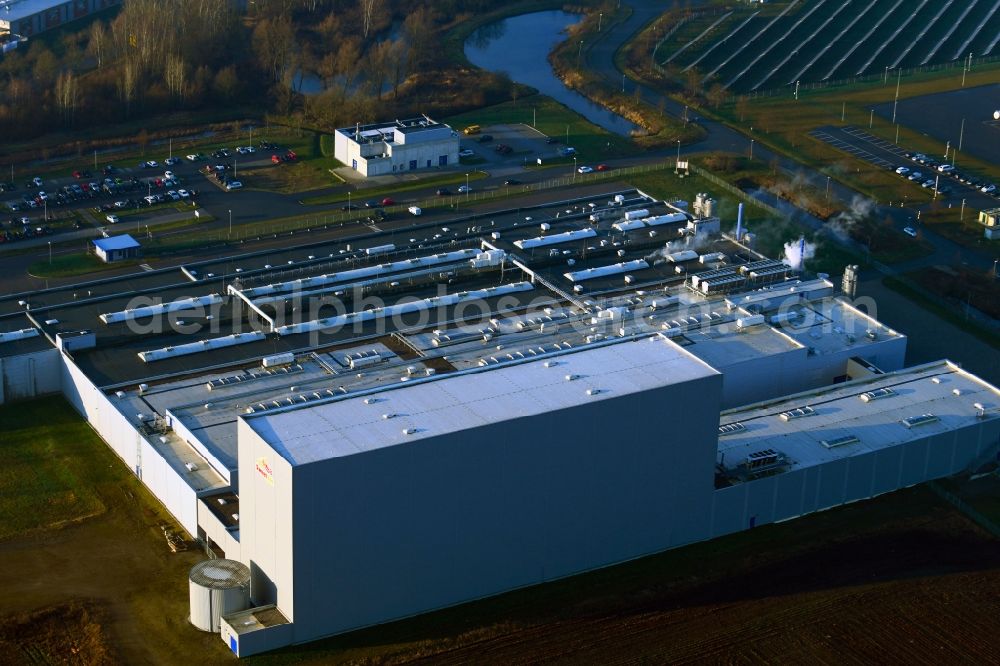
(914, 595)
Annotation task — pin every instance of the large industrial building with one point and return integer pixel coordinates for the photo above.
(374, 430)
(30, 17)
(400, 146)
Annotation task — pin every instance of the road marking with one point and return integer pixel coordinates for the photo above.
(145, 267)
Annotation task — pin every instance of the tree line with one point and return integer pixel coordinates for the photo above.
(371, 58)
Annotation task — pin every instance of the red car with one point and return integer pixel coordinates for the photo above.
(77, 175)
(290, 156)
(388, 201)
(275, 159)
(602, 167)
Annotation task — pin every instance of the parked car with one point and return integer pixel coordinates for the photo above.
(910, 231)
(485, 138)
(902, 171)
(945, 168)
(989, 188)
(233, 185)
(466, 153)
(112, 219)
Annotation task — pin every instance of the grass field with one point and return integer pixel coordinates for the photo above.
(552, 118)
(43, 443)
(69, 265)
(821, 40)
(360, 195)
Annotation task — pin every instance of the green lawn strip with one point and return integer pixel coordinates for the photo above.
(50, 466)
(360, 195)
(71, 265)
(166, 207)
(903, 288)
(551, 119)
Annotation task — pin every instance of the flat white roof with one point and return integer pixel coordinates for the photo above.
(840, 412)
(467, 400)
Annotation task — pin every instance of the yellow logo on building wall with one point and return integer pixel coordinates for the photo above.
(265, 470)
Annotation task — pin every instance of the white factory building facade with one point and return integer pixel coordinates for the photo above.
(400, 146)
(370, 478)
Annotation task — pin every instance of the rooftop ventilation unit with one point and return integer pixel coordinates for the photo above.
(923, 419)
(877, 394)
(764, 458)
(840, 441)
(798, 413)
(731, 429)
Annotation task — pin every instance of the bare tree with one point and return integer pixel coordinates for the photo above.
(66, 95)
(377, 64)
(175, 75)
(273, 42)
(128, 83)
(368, 10)
(348, 57)
(98, 43)
(397, 56)
(742, 105)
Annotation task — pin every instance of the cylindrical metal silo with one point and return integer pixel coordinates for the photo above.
(218, 587)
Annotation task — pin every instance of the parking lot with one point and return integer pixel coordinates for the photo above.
(88, 197)
(886, 155)
(526, 145)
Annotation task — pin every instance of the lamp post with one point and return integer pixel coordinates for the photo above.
(50, 257)
(600, 20)
(751, 149)
(895, 102)
(574, 169)
(466, 187)
(623, 90)
(579, 52)
(230, 222)
(678, 165)
(828, 188)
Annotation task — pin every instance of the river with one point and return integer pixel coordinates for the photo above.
(520, 46)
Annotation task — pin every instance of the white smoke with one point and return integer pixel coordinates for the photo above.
(797, 251)
(697, 242)
(842, 223)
